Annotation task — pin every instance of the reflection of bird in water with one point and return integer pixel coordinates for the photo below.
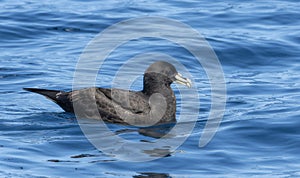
(156, 131)
(152, 175)
(155, 104)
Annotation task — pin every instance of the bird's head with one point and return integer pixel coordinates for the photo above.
(161, 71)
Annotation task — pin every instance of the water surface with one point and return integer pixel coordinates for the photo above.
(256, 42)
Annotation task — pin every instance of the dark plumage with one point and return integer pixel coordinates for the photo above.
(155, 104)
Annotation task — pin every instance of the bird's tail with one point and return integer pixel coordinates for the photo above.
(50, 94)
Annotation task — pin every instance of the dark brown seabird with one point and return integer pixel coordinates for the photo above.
(155, 104)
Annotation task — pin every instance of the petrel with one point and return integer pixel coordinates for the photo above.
(155, 104)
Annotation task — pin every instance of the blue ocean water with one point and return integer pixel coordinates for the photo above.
(257, 43)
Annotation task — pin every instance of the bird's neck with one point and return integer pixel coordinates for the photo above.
(153, 86)
(156, 84)
(156, 88)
